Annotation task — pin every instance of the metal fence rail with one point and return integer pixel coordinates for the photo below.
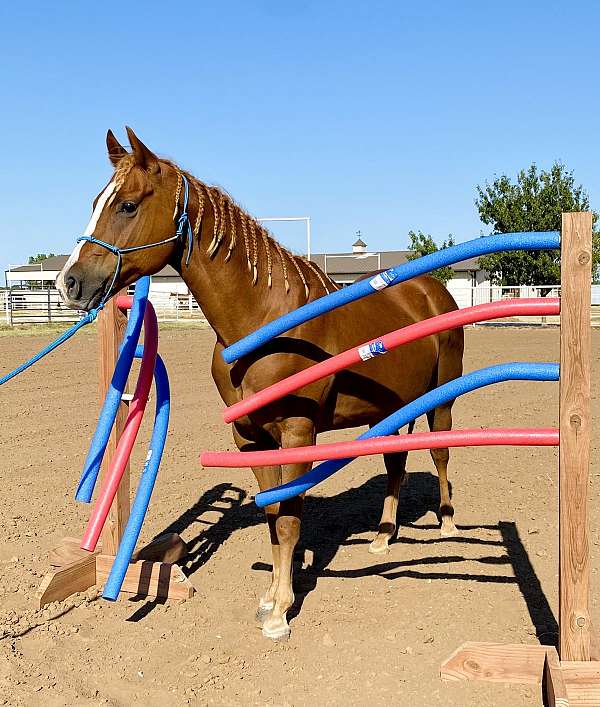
(19, 306)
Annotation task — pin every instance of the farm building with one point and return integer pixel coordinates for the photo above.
(166, 282)
(346, 267)
(343, 268)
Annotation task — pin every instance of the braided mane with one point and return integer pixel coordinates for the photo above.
(227, 217)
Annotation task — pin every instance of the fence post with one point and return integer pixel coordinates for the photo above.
(574, 451)
(111, 327)
(49, 307)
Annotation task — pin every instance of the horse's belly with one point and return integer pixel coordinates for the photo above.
(368, 392)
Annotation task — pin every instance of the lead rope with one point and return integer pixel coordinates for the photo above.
(182, 222)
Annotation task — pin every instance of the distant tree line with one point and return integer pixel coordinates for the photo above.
(39, 258)
(532, 202)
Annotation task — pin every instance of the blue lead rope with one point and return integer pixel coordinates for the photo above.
(89, 317)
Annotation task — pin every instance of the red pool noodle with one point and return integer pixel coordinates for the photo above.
(518, 437)
(450, 320)
(112, 478)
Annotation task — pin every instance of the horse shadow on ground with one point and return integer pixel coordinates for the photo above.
(332, 522)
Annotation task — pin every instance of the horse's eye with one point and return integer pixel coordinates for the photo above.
(128, 207)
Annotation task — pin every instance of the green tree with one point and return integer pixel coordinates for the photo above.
(534, 202)
(39, 258)
(423, 244)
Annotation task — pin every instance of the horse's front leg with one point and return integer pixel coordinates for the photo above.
(287, 529)
(267, 477)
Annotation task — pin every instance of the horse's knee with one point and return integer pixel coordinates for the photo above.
(288, 530)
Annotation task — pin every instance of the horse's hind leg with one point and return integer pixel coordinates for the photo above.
(440, 419)
(395, 465)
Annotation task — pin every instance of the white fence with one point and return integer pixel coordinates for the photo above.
(470, 296)
(45, 306)
(176, 308)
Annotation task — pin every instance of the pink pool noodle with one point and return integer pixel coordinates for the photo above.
(450, 320)
(112, 478)
(519, 437)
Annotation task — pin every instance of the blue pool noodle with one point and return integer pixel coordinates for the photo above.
(118, 382)
(146, 484)
(546, 240)
(391, 424)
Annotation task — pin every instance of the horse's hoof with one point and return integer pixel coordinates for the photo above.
(276, 629)
(448, 529)
(262, 613)
(379, 546)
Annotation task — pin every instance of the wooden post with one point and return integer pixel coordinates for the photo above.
(111, 327)
(575, 421)
(575, 678)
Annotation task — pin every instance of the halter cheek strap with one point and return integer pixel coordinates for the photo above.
(184, 231)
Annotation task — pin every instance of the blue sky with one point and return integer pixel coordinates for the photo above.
(378, 116)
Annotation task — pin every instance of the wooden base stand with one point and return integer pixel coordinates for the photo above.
(565, 683)
(153, 572)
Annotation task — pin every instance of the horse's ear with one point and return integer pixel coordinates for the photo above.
(114, 147)
(143, 156)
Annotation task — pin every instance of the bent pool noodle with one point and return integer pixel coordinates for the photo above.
(383, 344)
(112, 479)
(391, 424)
(547, 240)
(516, 437)
(117, 385)
(146, 484)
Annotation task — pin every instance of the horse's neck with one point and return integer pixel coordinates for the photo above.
(230, 302)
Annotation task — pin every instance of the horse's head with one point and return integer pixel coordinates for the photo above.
(135, 209)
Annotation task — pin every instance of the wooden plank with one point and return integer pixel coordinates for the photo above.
(111, 327)
(69, 551)
(574, 454)
(554, 684)
(60, 583)
(496, 662)
(582, 679)
(156, 579)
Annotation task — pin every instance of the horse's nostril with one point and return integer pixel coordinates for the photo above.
(73, 287)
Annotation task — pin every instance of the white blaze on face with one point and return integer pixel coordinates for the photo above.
(91, 227)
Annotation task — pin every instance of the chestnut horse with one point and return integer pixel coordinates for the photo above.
(242, 278)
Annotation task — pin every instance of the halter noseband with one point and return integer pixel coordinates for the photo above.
(183, 221)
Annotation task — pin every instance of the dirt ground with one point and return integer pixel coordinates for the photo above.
(365, 629)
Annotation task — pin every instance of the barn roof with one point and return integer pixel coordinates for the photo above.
(57, 262)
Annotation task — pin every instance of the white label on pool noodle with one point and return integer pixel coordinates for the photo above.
(379, 282)
(365, 352)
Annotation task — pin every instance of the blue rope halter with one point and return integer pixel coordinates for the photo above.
(183, 224)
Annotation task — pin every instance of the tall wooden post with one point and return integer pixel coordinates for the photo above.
(111, 327)
(575, 423)
(574, 678)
